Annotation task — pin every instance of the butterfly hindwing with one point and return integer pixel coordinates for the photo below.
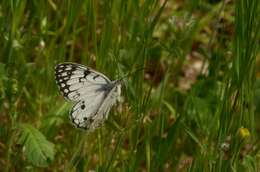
(83, 112)
(90, 113)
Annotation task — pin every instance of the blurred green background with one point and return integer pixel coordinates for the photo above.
(195, 106)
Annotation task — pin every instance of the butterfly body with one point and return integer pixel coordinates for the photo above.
(92, 91)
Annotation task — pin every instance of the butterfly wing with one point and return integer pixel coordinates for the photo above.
(93, 92)
(106, 105)
(77, 82)
(90, 114)
(83, 112)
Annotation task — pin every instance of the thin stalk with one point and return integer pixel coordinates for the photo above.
(74, 160)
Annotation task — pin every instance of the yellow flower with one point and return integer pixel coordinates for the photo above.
(243, 132)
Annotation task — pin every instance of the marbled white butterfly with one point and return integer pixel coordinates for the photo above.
(93, 93)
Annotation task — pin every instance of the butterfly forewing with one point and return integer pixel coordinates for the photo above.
(77, 81)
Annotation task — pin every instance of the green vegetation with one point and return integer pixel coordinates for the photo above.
(195, 106)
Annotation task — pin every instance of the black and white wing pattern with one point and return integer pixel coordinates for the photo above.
(92, 91)
(76, 81)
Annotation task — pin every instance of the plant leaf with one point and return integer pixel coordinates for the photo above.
(37, 149)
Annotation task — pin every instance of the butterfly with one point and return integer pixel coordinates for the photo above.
(93, 93)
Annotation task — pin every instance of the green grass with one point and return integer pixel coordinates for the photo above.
(194, 107)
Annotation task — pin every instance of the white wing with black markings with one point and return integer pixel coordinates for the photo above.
(92, 91)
